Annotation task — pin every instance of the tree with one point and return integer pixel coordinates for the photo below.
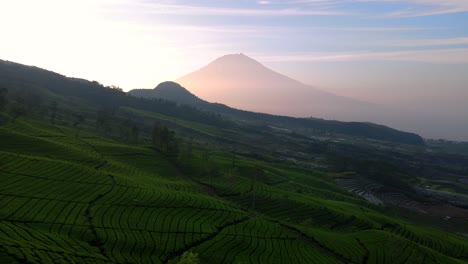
(24, 102)
(125, 128)
(164, 139)
(53, 112)
(186, 153)
(189, 258)
(3, 98)
(115, 87)
(103, 120)
(156, 134)
(135, 133)
(17, 108)
(164, 136)
(32, 100)
(78, 119)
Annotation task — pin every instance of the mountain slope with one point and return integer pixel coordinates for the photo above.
(244, 83)
(174, 92)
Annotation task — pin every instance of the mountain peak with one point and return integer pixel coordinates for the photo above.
(244, 83)
(169, 85)
(171, 91)
(236, 59)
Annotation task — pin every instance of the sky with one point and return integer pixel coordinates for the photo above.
(410, 54)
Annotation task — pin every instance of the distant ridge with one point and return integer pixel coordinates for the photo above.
(170, 91)
(44, 83)
(174, 92)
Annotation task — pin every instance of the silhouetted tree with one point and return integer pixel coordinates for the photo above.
(172, 147)
(164, 137)
(103, 120)
(53, 112)
(18, 108)
(32, 100)
(78, 120)
(125, 128)
(3, 98)
(186, 153)
(156, 134)
(114, 87)
(135, 133)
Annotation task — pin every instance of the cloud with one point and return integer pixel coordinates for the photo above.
(255, 29)
(415, 8)
(427, 42)
(401, 8)
(405, 8)
(173, 9)
(443, 56)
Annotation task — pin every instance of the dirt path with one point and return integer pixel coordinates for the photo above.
(96, 242)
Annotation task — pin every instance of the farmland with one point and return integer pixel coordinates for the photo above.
(89, 199)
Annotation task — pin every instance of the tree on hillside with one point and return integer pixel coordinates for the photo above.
(186, 153)
(32, 100)
(17, 108)
(78, 120)
(125, 128)
(129, 131)
(24, 102)
(156, 134)
(53, 112)
(115, 87)
(135, 133)
(103, 120)
(164, 139)
(3, 98)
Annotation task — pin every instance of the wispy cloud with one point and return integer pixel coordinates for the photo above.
(426, 42)
(429, 7)
(377, 29)
(256, 29)
(399, 8)
(405, 8)
(173, 9)
(447, 56)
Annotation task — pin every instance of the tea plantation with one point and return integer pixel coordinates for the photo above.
(69, 197)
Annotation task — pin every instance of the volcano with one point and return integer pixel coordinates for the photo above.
(244, 83)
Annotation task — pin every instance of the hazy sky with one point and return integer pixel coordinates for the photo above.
(406, 53)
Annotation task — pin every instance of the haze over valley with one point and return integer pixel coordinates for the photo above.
(241, 82)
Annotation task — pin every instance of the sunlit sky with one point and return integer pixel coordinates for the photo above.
(411, 53)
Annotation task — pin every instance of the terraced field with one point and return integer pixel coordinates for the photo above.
(97, 200)
(68, 198)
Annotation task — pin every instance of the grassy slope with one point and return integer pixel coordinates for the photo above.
(93, 200)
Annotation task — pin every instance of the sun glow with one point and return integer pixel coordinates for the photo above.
(81, 39)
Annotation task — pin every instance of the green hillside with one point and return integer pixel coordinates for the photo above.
(89, 199)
